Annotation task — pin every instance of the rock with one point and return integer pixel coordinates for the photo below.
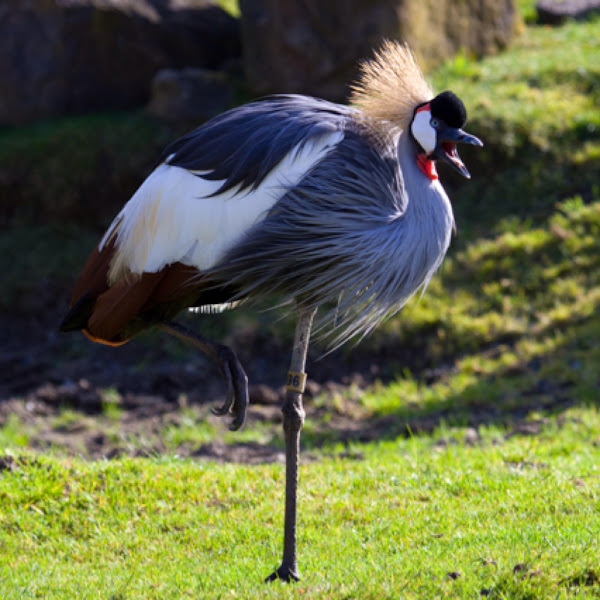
(314, 47)
(8, 463)
(72, 56)
(438, 29)
(553, 12)
(261, 394)
(190, 95)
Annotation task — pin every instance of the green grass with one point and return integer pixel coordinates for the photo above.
(516, 516)
(231, 6)
(76, 168)
(512, 321)
(53, 252)
(485, 448)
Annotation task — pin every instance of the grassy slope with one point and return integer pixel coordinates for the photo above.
(512, 327)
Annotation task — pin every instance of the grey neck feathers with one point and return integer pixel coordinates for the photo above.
(429, 202)
(360, 244)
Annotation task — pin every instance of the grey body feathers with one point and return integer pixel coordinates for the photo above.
(360, 233)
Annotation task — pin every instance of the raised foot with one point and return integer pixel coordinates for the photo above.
(285, 573)
(236, 383)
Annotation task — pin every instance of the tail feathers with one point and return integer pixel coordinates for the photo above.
(91, 284)
(77, 320)
(107, 318)
(113, 314)
(93, 279)
(177, 280)
(78, 315)
(101, 341)
(115, 308)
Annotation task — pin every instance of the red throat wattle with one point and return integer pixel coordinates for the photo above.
(427, 166)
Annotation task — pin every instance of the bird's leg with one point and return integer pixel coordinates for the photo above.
(293, 419)
(236, 382)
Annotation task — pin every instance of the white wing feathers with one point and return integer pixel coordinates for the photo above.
(172, 217)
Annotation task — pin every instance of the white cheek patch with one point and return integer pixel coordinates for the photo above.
(423, 131)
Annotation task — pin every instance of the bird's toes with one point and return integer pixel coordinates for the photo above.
(240, 405)
(221, 411)
(236, 383)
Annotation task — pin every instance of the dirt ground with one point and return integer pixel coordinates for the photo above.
(156, 381)
(44, 372)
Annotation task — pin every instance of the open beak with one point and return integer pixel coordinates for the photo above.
(445, 150)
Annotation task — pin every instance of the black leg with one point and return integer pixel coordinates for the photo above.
(293, 420)
(236, 382)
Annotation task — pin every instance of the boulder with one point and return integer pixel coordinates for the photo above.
(72, 56)
(191, 95)
(314, 47)
(556, 12)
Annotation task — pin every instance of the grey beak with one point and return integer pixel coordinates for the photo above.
(458, 136)
(445, 150)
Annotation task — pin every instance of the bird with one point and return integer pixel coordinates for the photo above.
(292, 199)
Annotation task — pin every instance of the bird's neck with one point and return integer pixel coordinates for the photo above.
(414, 163)
(426, 166)
(426, 197)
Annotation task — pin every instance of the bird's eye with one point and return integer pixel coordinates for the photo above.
(434, 123)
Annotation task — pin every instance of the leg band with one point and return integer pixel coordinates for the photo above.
(296, 382)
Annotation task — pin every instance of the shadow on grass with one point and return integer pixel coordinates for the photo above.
(519, 396)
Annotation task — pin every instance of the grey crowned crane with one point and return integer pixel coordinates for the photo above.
(313, 202)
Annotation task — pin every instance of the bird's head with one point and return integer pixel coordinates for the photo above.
(436, 128)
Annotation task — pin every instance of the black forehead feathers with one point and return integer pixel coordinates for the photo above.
(450, 108)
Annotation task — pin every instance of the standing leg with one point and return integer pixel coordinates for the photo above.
(293, 419)
(236, 381)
